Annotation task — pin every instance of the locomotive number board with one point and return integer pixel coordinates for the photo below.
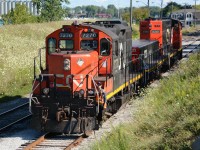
(89, 35)
(66, 35)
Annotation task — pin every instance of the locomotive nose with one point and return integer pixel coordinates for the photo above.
(75, 68)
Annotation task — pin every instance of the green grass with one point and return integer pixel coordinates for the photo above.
(188, 30)
(19, 44)
(168, 116)
(136, 33)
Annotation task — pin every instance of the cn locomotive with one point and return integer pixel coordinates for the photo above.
(92, 68)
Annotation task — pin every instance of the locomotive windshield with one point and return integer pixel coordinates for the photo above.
(66, 44)
(88, 44)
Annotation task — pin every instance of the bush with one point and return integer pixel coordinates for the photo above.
(19, 15)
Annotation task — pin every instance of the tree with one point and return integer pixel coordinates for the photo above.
(51, 10)
(101, 10)
(67, 12)
(140, 13)
(19, 15)
(197, 7)
(172, 6)
(112, 10)
(91, 10)
(78, 9)
(154, 11)
(126, 16)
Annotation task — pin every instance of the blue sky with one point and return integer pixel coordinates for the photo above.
(124, 3)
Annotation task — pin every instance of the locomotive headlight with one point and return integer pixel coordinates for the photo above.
(81, 92)
(66, 64)
(46, 91)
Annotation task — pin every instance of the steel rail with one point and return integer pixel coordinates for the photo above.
(8, 112)
(13, 109)
(36, 142)
(192, 49)
(21, 119)
(76, 140)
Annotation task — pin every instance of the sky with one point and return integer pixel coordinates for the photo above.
(125, 3)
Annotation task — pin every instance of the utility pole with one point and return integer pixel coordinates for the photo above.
(131, 16)
(148, 7)
(172, 7)
(195, 15)
(161, 12)
(185, 15)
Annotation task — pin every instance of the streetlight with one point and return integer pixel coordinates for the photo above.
(117, 4)
(161, 11)
(161, 8)
(131, 16)
(185, 14)
(172, 6)
(145, 5)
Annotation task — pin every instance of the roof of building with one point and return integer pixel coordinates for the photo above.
(186, 11)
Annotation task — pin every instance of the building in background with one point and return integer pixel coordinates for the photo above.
(188, 17)
(7, 5)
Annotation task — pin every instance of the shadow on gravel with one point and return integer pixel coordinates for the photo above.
(9, 98)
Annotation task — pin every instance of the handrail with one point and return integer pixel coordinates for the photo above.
(40, 60)
(34, 99)
(95, 86)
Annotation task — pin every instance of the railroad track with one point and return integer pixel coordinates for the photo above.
(191, 47)
(54, 142)
(14, 115)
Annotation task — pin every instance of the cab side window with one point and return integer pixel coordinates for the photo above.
(104, 47)
(51, 45)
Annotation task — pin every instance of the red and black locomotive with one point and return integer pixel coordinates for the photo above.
(92, 68)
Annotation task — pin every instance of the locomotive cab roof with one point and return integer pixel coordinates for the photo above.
(142, 43)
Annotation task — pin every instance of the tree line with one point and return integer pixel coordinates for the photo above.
(53, 10)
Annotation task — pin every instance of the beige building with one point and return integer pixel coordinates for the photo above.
(188, 17)
(7, 5)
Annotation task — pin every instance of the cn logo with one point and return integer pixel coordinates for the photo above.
(77, 80)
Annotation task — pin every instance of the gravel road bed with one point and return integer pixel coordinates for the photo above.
(13, 141)
(18, 134)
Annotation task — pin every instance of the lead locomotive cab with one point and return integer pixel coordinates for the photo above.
(66, 96)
